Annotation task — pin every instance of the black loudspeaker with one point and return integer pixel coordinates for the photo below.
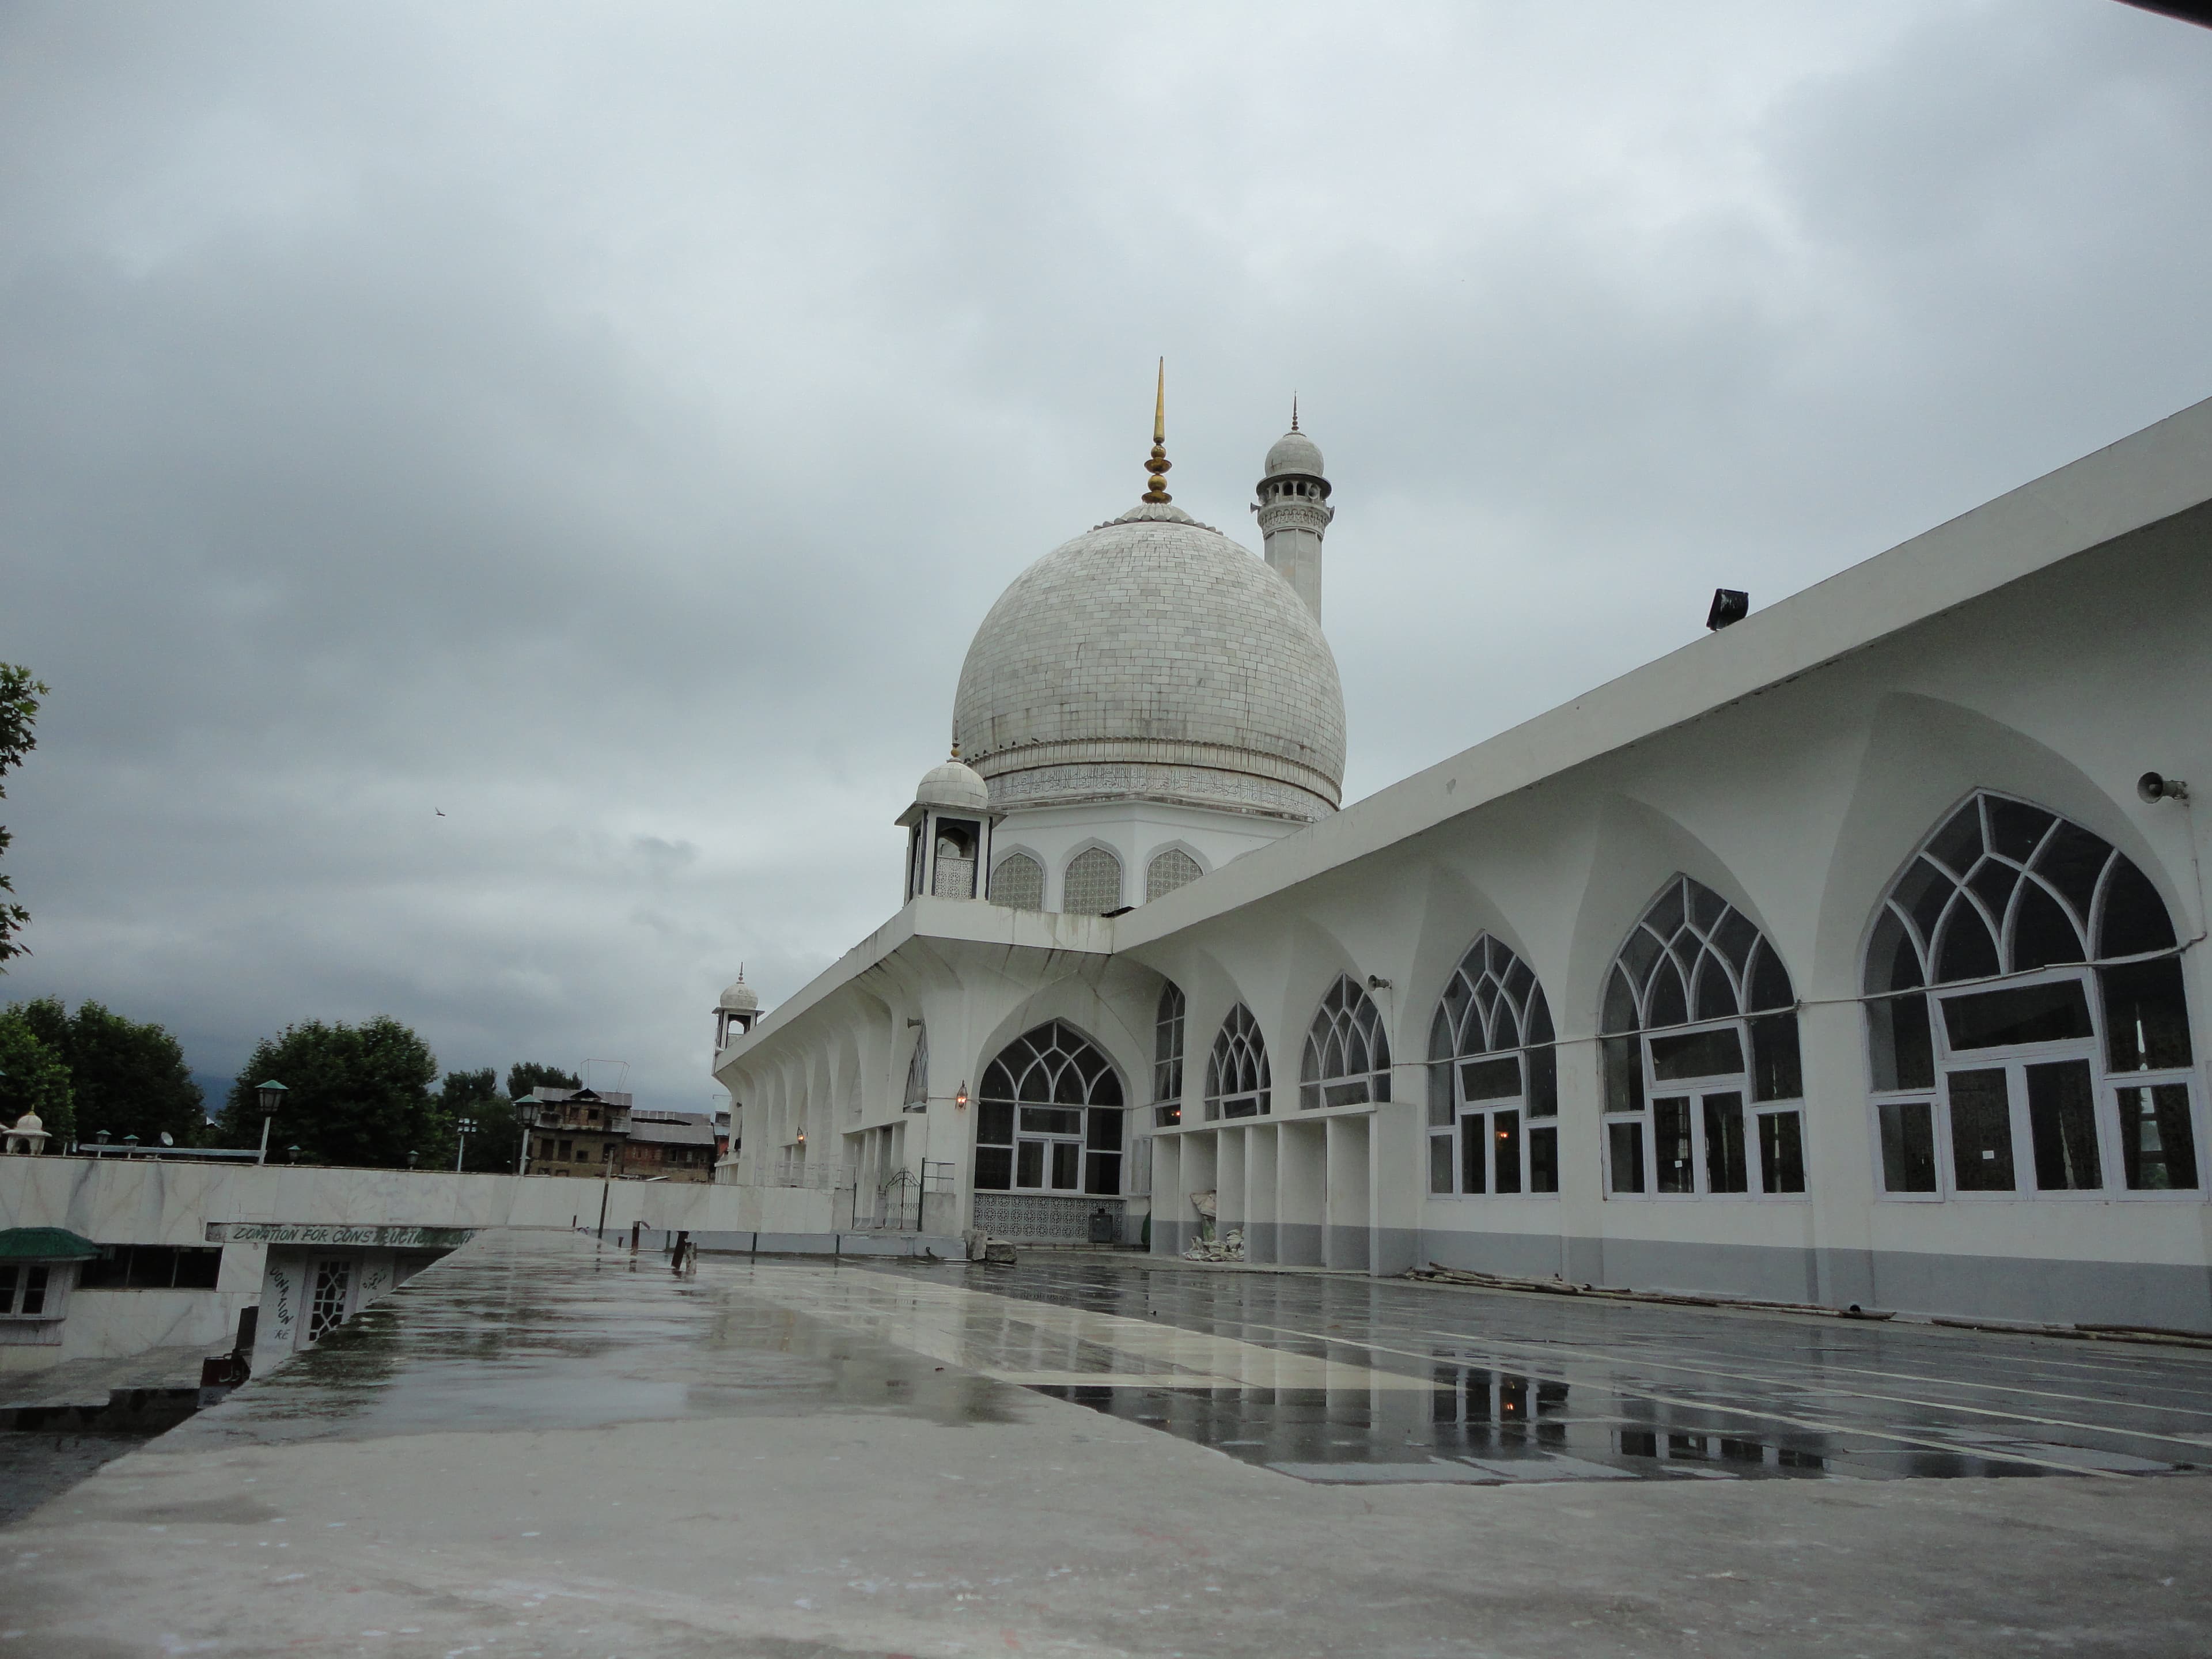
(1729, 605)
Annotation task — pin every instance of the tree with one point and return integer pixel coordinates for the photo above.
(353, 1094)
(36, 1080)
(494, 1142)
(124, 1078)
(19, 710)
(525, 1075)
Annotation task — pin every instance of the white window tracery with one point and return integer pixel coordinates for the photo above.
(1494, 1079)
(2027, 1026)
(1347, 1054)
(1018, 883)
(1167, 1057)
(1238, 1082)
(916, 1098)
(1704, 1087)
(1092, 885)
(1049, 1116)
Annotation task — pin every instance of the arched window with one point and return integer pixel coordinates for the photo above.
(916, 1098)
(1169, 871)
(1018, 883)
(1699, 1014)
(1048, 1117)
(1237, 1081)
(2061, 1062)
(1347, 1058)
(1167, 1057)
(1093, 884)
(1494, 1079)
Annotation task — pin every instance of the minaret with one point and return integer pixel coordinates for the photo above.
(1294, 512)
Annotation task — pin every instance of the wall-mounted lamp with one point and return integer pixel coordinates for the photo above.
(2154, 788)
(961, 1099)
(1376, 982)
(1730, 605)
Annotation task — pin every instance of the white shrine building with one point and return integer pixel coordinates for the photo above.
(1849, 954)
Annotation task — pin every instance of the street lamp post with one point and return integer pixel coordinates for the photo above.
(271, 1096)
(467, 1127)
(525, 1123)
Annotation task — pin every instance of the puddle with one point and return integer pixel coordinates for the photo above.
(1520, 1389)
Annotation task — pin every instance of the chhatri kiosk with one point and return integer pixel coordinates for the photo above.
(1852, 953)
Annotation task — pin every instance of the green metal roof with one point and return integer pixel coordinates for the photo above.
(44, 1244)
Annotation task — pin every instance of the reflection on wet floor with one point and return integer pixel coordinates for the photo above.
(1326, 1378)
(1471, 1386)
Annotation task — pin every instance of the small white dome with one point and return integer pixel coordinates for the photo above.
(29, 1124)
(953, 784)
(740, 998)
(1294, 453)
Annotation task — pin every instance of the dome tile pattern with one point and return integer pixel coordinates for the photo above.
(1152, 657)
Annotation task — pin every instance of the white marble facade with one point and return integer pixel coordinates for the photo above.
(2048, 650)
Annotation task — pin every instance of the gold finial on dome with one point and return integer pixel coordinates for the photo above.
(1156, 469)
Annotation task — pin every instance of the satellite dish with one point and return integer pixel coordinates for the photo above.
(166, 1139)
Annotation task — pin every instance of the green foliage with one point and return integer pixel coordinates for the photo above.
(353, 1094)
(525, 1076)
(19, 711)
(36, 1080)
(125, 1077)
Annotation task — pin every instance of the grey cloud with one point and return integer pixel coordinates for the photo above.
(608, 426)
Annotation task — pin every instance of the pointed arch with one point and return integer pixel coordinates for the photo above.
(1493, 1094)
(916, 1098)
(1017, 881)
(1347, 1053)
(1091, 885)
(1048, 1115)
(1699, 1055)
(1238, 1081)
(2066, 1065)
(1167, 1055)
(1169, 868)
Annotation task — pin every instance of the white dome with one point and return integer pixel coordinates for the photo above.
(1294, 453)
(740, 998)
(1153, 657)
(29, 1124)
(953, 784)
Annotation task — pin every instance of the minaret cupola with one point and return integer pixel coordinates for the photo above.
(949, 831)
(1294, 512)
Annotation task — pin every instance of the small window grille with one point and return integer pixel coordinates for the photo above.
(1170, 870)
(1018, 883)
(1093, 884)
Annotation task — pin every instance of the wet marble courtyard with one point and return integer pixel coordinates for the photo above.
(550, 1445)
(1328, 1378)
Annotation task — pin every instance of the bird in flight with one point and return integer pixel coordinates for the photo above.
(439, 811)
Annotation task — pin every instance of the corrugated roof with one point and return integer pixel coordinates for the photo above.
(44, 1244)
(697, 1134)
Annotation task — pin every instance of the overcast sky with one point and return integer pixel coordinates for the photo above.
(607, 425)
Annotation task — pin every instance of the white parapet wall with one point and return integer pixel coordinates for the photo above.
(146, 1201)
